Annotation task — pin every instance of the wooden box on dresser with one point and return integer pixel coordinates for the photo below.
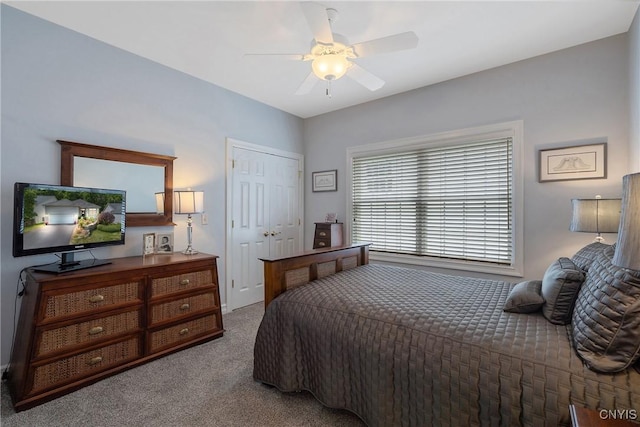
(78, 327)
(327, 235)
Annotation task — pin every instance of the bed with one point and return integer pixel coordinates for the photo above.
(400, 346)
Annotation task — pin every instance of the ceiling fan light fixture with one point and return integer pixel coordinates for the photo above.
(330, 66)
(331, 55)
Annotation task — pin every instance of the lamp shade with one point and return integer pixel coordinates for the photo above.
(595, 215)
(188, 202)
(627, 254)
(160, 202)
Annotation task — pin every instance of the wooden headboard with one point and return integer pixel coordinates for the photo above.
(281, 274)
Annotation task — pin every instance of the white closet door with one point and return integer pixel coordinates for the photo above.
(265, 219)
(284, 217)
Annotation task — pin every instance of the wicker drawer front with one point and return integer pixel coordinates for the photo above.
(75, 303)
(180, 282)
(185, 331)
(79, 333)
(181, 307)
(84, 364)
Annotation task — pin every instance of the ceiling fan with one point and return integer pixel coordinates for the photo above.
(332, 56)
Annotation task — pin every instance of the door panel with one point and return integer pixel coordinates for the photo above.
(248, 216)
(284, 209)
(265, 219)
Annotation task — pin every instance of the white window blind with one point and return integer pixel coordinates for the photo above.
(453, 201)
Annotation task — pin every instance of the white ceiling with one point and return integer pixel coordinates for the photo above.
(208, 39)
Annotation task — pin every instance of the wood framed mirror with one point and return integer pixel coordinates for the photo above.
(72, 152)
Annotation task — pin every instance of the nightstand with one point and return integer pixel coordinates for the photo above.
(585, 417)
(328, 235)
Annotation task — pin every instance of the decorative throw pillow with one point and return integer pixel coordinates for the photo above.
(560, 286)
(606, 319)
(585, 256)
(525, 297)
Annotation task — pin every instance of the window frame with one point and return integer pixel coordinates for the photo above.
(512, 129)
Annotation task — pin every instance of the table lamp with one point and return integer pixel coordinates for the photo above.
(188, 202)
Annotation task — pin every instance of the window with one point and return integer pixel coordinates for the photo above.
(447, 199)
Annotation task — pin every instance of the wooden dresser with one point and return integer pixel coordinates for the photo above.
(327, 235)
(79, 327)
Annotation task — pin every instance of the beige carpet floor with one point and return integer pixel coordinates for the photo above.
(207, 385)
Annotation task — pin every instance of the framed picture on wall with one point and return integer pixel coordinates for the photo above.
(325, 180)
(577, 162)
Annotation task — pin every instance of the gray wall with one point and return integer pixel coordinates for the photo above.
(58, 84)
(569, 97)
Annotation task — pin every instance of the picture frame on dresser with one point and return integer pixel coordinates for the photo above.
(165, 243)
(148, 244)
(331, 217)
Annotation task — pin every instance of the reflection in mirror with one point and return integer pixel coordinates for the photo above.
(122, 171)
(141, 182)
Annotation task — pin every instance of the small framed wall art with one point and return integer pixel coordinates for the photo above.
(325, 180)
(577, 162)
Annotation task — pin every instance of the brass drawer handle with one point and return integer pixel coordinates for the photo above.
(322, 234)
(184, 281)
(96, 298)
(184, 331)
(96, 330)
(321, 244)
(185, 306)
(95, 360)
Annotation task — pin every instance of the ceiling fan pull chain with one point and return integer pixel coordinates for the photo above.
(329, 88)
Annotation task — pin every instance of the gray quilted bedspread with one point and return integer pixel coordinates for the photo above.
(403, 347)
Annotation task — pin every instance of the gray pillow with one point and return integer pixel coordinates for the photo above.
(585, 256)
(525, 297)
(606, 319)
(560, 286)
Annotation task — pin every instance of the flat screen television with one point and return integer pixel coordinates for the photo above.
(55, 218)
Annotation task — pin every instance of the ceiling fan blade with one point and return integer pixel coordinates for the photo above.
(307, 84)
(318, 21)
(402, 41)
(290, 56)
(364, 77)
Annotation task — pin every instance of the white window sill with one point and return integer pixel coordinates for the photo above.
(503, 270)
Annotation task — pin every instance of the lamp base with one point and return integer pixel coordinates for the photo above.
(189, 250)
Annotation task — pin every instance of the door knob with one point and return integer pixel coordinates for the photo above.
(265, 234)
(273, 233)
